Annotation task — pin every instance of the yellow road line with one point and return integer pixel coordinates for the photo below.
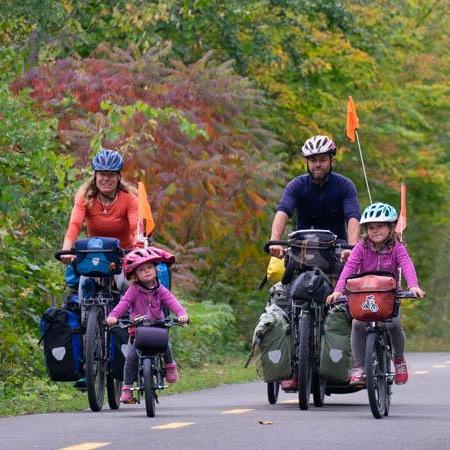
(439, 366)
(289, 402)
(237, 411)
(421, 372)
(87, 446)
(172, 426)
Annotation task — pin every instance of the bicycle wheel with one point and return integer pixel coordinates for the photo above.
(304, 362)
(376, 376)
(113, 389)
(273, 389)
(95, 359)
(319, 386)
(149, 388)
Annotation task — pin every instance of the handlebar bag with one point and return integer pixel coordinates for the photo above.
(98, 257)
(152, 340)
(371, 296)
(61, 335)
(314, 248)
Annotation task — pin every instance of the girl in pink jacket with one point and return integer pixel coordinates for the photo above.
(145, 297)
(379, 250)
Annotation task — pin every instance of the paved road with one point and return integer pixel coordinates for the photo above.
(228, 418)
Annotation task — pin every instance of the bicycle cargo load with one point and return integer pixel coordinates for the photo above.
(335, 351)
(61, 335)
(314, 248)
(371, 296)
(97, 257)
(118, 349)
(272, 345)
(311, 285)
(275, 270)
(279, 295)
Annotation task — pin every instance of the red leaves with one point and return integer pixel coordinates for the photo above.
(199, 188)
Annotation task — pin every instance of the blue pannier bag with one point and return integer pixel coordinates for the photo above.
(118, 348)
(98, 257)
(163, 272)
(61, 335)
(72, 280)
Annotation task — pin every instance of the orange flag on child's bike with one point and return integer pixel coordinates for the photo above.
(352, 119)
(147, 224)
(401, 223)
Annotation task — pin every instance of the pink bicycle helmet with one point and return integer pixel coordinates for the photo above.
(137, 257)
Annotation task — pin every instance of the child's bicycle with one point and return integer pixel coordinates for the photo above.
(151, 340)
(376, 306)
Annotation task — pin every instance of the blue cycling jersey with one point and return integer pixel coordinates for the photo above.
(328, 207)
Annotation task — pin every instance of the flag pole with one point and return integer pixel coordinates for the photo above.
(363, 166)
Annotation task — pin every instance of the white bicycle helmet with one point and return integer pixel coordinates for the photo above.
(379, 212)
(318, 145)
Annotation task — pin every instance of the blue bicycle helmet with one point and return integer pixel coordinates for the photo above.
(107, 160)
(379, 212)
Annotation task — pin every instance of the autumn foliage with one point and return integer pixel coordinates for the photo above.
(190, 132)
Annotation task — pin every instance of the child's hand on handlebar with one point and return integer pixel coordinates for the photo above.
(417, 292)
(277, 251)
(333, 297)
(111, 321)
(183, 319)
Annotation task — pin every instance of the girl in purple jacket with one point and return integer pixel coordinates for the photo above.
(145, 297)
(379, 250)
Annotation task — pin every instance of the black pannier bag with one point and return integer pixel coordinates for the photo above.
(311, 285)
(98, 257)
(118, 349)
(314, 248)
(61, 335)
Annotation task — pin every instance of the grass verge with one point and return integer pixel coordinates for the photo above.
(44, 397)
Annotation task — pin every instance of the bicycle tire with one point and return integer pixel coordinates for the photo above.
(273, 389)
(319, 384)
(376, 376)
(304, 362)
(149, 388)
(114, 390)
(95, 360)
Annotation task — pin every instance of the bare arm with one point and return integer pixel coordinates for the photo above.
(353, 231)
(278, 226)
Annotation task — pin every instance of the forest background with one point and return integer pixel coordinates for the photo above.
(210, 103)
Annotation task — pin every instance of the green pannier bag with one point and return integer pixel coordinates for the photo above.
(335, 354)
(272, 345)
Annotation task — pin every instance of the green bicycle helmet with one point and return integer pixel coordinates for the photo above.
(379, 212)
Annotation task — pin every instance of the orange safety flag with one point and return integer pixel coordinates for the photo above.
(146, 222)
(401, 223)
(352, 119)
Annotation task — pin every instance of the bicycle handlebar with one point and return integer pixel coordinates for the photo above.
(287, 242)
(165, 323)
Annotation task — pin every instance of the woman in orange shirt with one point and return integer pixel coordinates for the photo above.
(107, 204)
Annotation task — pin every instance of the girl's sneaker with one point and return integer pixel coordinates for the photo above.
(126, 396)
(401, 371)
(357, 376)
(171, 372)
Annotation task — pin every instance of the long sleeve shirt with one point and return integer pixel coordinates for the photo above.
(118, 220)
(366, 258)
(140, 301)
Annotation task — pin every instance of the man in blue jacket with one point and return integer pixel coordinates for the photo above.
(322, 200)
